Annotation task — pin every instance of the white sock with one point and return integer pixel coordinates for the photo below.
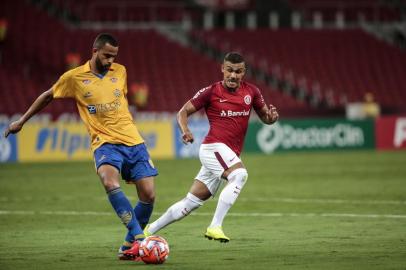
(229, 195)
(176, 212)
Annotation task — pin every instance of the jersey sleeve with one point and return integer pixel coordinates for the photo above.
(125, 81)
(258, 100)
(64, 86)
(201, 98)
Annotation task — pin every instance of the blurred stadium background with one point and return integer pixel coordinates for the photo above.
(312, 59)
(331, 199)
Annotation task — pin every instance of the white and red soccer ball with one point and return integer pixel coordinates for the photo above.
(154, 249)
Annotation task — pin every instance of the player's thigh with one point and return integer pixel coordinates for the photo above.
(138, 164)
(108, 162)
(207, 183)
(109, 176)
(217, 157)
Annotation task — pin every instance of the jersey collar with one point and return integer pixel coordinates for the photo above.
(86, 69)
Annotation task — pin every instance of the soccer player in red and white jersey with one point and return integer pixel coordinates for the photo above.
(228, 105)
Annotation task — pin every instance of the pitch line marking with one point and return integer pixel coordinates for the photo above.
(94, 213)
(275, 199)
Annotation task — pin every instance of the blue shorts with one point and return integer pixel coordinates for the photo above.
(133, 162)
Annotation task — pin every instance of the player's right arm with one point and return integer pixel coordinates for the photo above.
(41, 102)
(183, 114)
(199, 100)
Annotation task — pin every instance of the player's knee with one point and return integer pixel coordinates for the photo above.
(184, 207)
(194, 201)
(109, 179)
(148, 198)
(238, 176)
(110, 184)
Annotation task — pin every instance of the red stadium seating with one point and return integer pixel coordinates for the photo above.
(35, 56)
(371, 10)
(349, 62)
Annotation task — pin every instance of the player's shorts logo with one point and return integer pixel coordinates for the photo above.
(247, 99)
(91, 109)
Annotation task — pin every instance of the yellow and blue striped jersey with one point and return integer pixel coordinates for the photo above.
(102, 104)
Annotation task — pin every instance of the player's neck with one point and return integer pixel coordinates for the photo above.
(94, 70)
(232, 90)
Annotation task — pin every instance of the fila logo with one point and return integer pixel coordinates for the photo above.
(222, 100)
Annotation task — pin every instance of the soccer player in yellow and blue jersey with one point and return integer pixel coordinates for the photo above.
(100, 88)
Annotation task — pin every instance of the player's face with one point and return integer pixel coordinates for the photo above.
(232, 74)
(105, 57)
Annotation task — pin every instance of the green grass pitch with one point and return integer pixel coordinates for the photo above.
(324, 210)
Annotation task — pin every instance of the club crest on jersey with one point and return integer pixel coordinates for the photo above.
(247, 99)
(86, 81)
(113, 80)
(117, 92)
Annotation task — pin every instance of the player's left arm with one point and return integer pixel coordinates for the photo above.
(268, 115)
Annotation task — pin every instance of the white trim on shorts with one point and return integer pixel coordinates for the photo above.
(215, 159)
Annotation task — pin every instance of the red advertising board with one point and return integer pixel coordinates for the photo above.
(390, 132)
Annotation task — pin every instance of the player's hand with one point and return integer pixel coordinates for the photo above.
(13, 128)
(273, 115)
(187, 137)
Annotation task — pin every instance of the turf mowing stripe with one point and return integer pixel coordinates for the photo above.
(92, 213)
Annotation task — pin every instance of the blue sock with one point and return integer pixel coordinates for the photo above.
(142, 212)
(125, 212)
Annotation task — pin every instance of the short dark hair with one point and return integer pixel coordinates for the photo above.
(234, 58)
(104, 38)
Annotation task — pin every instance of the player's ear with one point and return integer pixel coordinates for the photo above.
(222, 68)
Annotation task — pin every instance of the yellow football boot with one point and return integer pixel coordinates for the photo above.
(216, 233)
(146, 232)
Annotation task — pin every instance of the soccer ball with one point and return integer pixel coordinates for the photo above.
(154, 250)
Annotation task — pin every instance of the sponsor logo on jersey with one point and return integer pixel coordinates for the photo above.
(101, 108)
(91, 109)
(231, 113)
(247, 99)
(86, 81)
(117, 92)
(113, 80)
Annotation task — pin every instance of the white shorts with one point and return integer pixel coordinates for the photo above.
(215, 159)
